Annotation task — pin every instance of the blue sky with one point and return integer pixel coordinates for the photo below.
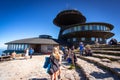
(30, 18)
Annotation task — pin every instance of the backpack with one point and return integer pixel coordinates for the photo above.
(47, 62)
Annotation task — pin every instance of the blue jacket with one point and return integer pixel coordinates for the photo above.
(31, 51)
(81, 47)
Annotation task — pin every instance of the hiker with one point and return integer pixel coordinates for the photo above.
(26, 53)
(31, 51)
(60, 61)
(81, 48)
(88, 51)
(113, 41)
(69, 56)
(13, 55)
(72, 57)
(65, 53)
(54, 64)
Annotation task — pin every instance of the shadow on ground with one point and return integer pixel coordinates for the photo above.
(38, 79)
(80, 72)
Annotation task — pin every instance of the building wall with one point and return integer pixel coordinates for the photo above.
(46, 48)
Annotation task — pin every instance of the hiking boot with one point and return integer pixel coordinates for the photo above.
(59, 77)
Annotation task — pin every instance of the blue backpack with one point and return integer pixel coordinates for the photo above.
(47, 62)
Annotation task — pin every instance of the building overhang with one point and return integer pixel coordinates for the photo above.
(34, 41)
(88, 34)
(69, 17)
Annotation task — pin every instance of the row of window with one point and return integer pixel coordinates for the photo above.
(85, 28)
(17, 46)
(84, 39)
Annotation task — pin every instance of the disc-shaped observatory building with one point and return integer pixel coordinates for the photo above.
(74, 29)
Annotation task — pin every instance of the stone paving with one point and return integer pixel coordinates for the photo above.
(109, 56)
(94, 72)
(32, 69)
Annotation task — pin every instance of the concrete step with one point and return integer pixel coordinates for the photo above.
(115, 53)
(106, 46)
(107, 49)
(110, 57)
(94, 72)
(113, 67)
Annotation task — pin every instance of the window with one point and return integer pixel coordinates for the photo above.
(22, 46)
(86, 27)
(94, 27)
(72, 29)
(68, 40)
(107, 29)
(102, 28)
(98, 27)
(75, 28)
(100, 39)
(74, 39)
(83, 28)
(26, 46)
(92, 38)
(82, 39)
(8, 47)
(79, 28)
(69, 30)
(90, 27)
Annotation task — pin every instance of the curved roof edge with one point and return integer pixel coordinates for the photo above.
(34, 41)
(68, 10)
(92, 23)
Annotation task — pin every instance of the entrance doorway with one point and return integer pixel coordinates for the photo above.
(36, 47)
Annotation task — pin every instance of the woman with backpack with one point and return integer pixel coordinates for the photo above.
(54, 64)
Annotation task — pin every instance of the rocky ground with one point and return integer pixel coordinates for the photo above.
(32, 69)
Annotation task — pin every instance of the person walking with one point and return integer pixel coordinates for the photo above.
(60, 61)
(54, 64)
(13, 55)
(81, 47)
(31, 51)
(88, 50)
(26, 53)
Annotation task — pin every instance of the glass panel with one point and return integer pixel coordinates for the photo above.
(108, 29)
(100, 39)
(100, 27)
(74, 39)
(72, 29)
(90, 27)
(94, 27)
(79, 28)
(26, 46)
(83, 28)
(82, 39)
(68, 40)
(97, 27)
(92, 38)
(18, 46)
(22, 46)
(75, 28)
(86, 27)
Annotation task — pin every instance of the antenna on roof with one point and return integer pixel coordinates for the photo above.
(68, 6)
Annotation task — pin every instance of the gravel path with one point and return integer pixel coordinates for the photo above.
(32, 69)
